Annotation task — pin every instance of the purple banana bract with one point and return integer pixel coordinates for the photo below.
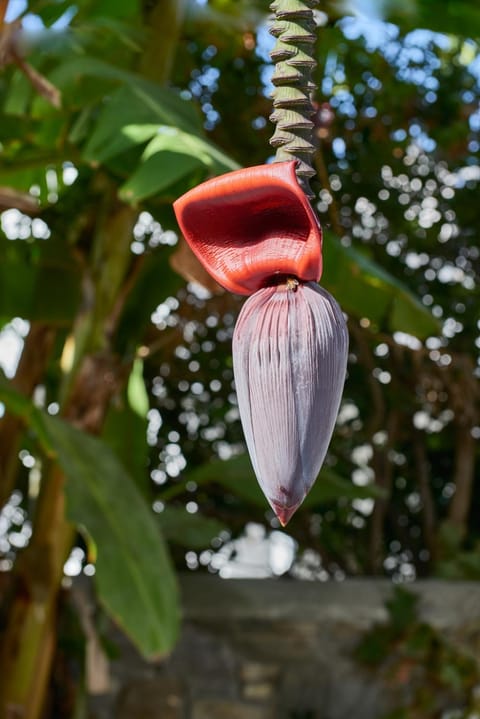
(289, 356)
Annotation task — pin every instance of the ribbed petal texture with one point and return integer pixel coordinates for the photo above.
(250, 225)
(290, 350)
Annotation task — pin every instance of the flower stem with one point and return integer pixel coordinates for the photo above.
(3, 10)
(295, 30)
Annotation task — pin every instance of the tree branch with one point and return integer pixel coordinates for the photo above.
(465, 397)
(422, 472)
(3, 11)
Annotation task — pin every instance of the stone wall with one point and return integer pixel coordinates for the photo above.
(273, 649)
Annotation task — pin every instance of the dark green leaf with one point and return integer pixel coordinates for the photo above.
(402, 608)
(237, 476)
(137, 103)
(83, 79)
(19, 95)
(124, 9)
(375, 647)
(329, 487)
(134, 576)
(188, 530)
(458, 17)
(156, 281)
(171, 138)
(156, 174)
(165, 138)
(33, 276)
(168, 157)
(119, 141)
(13, 400)
(364, 289)
(50, 11)
(125, 428)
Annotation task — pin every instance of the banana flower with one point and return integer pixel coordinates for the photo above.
(256, 233)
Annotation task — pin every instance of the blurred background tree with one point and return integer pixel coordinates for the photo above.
(120, 435)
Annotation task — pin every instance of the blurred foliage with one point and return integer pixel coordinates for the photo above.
(121, 347)
(429, 675)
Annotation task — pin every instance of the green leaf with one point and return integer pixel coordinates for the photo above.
(165, 138)
(121, 31)
(125, 428)
(83, 79)
(156, 281)
(119, 141)
(137, 103)
(237, 476)
(134, 576)
(329, 487)
(364, 289)
(49, 11)
(136, 390)
(125, 9)
(402, 608)
(458, 17)
(156, 174)
(18, 96)
(166, 106)
(168, 157)
(31, 172)
(33, 275)
(375, 646)
(193, 531)
(170, 138)
(22, 407)
(17, 403)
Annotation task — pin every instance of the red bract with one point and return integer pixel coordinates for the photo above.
(289, 359)
(248, 226)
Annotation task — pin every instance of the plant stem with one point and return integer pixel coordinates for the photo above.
(29, 642)
(465, 396)
(294, 28)
(33, 361)
(29, 639)
(429, 518)
(164, 21)
(3, 11)
(464, 476)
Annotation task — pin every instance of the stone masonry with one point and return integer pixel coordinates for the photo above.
(272, 649)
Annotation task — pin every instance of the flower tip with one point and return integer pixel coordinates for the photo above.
(284, 514)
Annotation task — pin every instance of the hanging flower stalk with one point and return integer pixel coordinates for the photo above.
(256, 233)
(294, 28)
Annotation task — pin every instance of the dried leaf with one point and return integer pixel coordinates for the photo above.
(186, 264)
(22, 201)
(40, 83)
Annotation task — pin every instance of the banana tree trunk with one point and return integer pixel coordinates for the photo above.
(29, 641)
